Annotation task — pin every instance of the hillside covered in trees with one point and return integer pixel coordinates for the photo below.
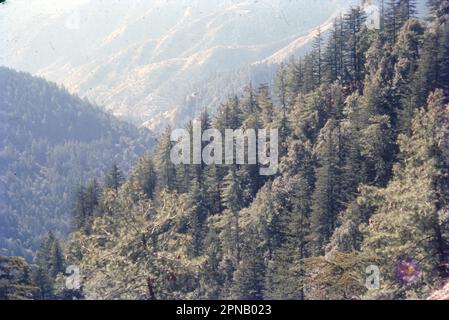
(363, 180)
(50, 142)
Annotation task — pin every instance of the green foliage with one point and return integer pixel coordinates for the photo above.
(340, 276)
(114, 178)
(50, 262)
(249, 276)
(408, 222)
(165, 168)
(50, 143)
(362, 181)
(15, 282)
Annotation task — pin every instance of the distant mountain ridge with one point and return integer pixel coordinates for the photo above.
(152, 62)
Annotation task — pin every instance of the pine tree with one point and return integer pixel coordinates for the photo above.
(443, 57)
(281, 86)
(398, 12)
(327, 194)
(333, 54)
(407, 10)
(249, 103)
(433, 68)
(232, 198)
(166, 170)
(248, 279)
(114, 178)
(232, 193)
(406, 51)
(284, 131)
(352, 149)
(296, 226)
(378, 116)
(294, 80)
(44, 283)
(265, 104)
(317, 54)
(144, 176)
(50, 261)
(58, 263)
(353, 55)
(80, 211)
(307, 71)
(391, 20)
(308, 115)
(92, 195)
(197, 170)
(211, 281)
(213, 176)
(198, 214)
(87, 200)
(229, 115)
(441, 28)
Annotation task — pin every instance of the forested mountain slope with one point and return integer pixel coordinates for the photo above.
(363, 183)
(50, 142)
(363, 123)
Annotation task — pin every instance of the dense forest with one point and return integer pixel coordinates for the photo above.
(51, 141)
(363, 180)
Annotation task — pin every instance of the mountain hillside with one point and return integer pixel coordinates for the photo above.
(50, 142)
